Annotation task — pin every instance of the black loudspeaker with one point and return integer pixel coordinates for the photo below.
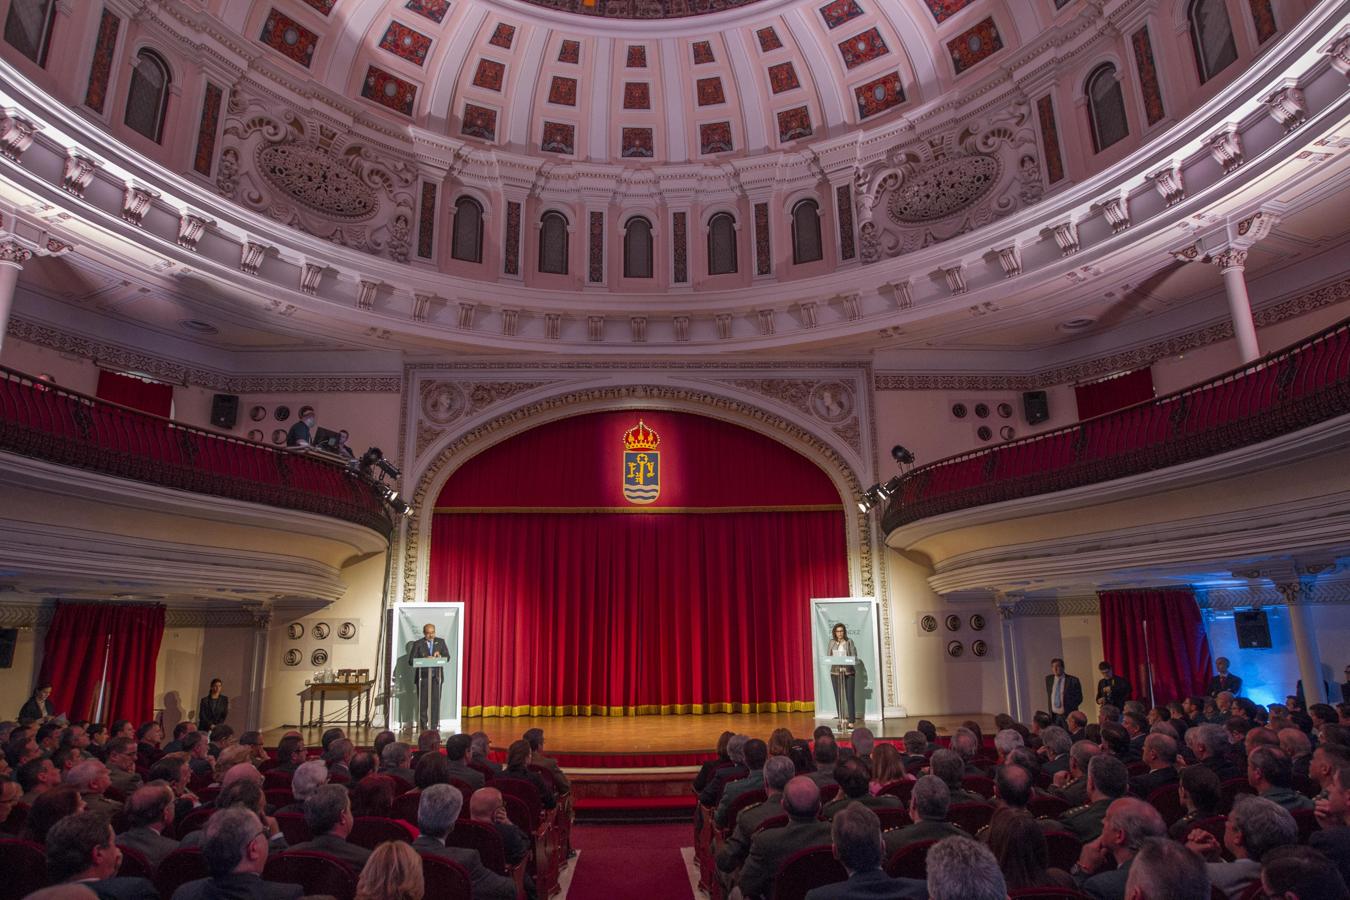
(1253, 629)
(8, 638)
(224, 410)
(1036, 407)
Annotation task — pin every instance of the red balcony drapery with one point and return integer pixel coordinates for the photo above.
(578, 605)
(1159, 633)
(136, 393)
(87, 640)
(1110, 394)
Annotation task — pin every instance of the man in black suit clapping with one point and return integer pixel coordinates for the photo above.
(1063, 692)
(429, 682)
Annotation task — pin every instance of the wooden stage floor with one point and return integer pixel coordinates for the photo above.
(642, 734)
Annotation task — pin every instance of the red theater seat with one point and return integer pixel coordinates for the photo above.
(806, 870)
(317, 873)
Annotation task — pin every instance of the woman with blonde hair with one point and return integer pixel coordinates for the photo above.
(779, 742)
(393, 872)
(887, 767)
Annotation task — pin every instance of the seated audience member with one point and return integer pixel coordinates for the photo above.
(1164, 868)
(965, 743)
(929, 730)
(1326, 759)
(960, 868)
(1160, 755)
(437, 811)
(862, 742)
(928, 806)
(802, 759)
(1005, 742)
(428, 741)
(825, 754)
(120, 758)
(1018, 843)
(36, 777)
(361, 765)
(1075, 723)
(254, 742)
(1200, 795)
(174, 772)
(855, 786)
(480, 748)
(1070, 785)
(778, 771)
(81, 849)
(338, 756)
(1271, 774)
(518, 758)
(487, 806)
(330, 735)
(179, 731)
(1107, 781)
(1013, 790)
(771, 847)
(393, 872)
(198, 748)
(1136, 727)
(242, 794)
(53, 806)
(1301, 873)
(307, 779)
(705, 771)
(535, 737)
(373, 796)
(1297, 746)
(712, 792)
(1333, 817)
(235, 850)
(856, 833)
(38, 707)
(150, 812)
(66, 758)
(887, 767)
(382, 740)
(756, 753)
(394, 761)
(916, 751)
(1129, 821)
(290, 754)
(1055, 746)
(328, 813)
(1254, 827)
(779, 741)
(10, 792)
(948, 766)
(456, 751)
(431, 768)
(231, 757)
(1116, 741)
(241, 772)
(1209, 744)
(221, 738)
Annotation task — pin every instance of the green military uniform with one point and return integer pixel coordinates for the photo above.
(1290, 800)
(771, 848)
(733, 855)
(100, 804)
(1073, 792)
(884, 801)
(1085, 822)
(922, 830)
(124, 782)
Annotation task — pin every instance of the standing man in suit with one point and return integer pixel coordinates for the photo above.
(1063, 692)
(1225, 680)
(429, 681)
(1112, 690)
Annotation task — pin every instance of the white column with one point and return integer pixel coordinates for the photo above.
(12, 257)
(1011, 663)
(257, 680)
(1305, 639)
(1232, 263)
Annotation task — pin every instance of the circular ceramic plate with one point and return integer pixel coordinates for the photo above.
(953, 622)
(955, 648)
(282, 413)
(258, 413)
(928, 623)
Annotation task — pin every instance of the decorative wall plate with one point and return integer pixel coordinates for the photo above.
(257, 413)
(979, 648)
(295, 631)
(1005, 410)
(977, 622)
(347, 631)
(282, 413)
(984, 432)
(321, 630)
(1007, 433)
(982, 410)
(279, 436)
(959, 410)
(928, 623)
(292, 657)
(256, 435)
(953, 622)
(319, 657)
(955, 648)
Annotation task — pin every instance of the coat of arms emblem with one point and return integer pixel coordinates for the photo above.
(641, 464)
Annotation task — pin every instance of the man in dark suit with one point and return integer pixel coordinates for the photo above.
(150, 812)
(535, 736)
(1127, 824)
(235, 852)
(771, 847)
(856, 833)
(1063, 692)
(1225, 680)
(1112, 690)
(81, 850)
(1160, 755)
(487, 806)
(328, 813)
(1333, 815)
(394, 760)
(778, 771)
(928, 805)
(436, 814)
(855, 779)
(456, 749)
(429, 680)
(290, 754)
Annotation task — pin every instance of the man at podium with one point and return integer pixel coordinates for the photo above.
(429, 678)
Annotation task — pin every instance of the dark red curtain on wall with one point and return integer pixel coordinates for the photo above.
(137, 393)
(577, 602)
(1157, 631)
(1110, 394)
(86, 639)
(133, 653)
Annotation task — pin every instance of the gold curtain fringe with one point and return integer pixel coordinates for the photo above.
(673, 709)
(632, 510)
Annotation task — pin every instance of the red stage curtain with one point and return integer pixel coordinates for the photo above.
(1177, 645)
(73, 655)
(578, 602)
(1110, 394)
(134, 649)
(137, 393)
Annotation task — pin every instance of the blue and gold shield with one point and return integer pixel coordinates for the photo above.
(641, 465)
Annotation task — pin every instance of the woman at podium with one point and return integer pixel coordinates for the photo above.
(842, 677)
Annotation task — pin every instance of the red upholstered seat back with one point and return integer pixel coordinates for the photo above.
(482, 837)
(293, 826)
(178, 868)
(445, 880)
(1167, 801)
(970, 816)
(806, 870)
(25, 866)
(195, 820)
(1062, 849)
(372, 831)
(405, 806)
(910, 861)
(317, 873)
(134, 864)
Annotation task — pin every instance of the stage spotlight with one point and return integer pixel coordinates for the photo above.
(888, 490)
(901, 455)
(396, 503)
(871, 497)
(375, 457)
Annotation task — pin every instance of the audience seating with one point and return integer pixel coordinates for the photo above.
(1307, 787)
(771, 822)
(749, 798)
(134, 864)
(1047, 806)
(317, 873)
(1229, 790)
(970, 816)
(447, 880)
(208, 794)
(484, 838)
(1062, 848)
(1167, 801)
(405, 806)
(901, 789)
(178, 868)
(17, 817)
(25, 866)
(1306, 819)
(194, 820)
(806, 870)
(278, 797)
(372, 831)
(979, 784)
(293, 826)
(464, 789)
(1215, 825)
(484, 770)
(273, 778)
(910, 861)
(828, 793)
(892, 817)
(401, 784)
(1047, 893)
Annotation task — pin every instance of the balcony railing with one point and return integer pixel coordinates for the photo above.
(46, 422)
(1283, 392)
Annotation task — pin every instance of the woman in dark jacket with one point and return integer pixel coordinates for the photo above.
(518, 766)
(213, 708)
(38, 706)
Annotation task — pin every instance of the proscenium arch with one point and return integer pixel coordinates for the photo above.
(457, 446)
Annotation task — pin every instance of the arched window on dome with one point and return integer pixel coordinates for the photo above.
(1211, 37)
(148, 96)
(467, 243)
(637, 248)
(722, 244)
(806, 246)
(28, 28)
(553, 243)
(1106, 107)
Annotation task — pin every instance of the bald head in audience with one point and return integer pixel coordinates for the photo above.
(485, 804)
(241, 772)
(801, 798)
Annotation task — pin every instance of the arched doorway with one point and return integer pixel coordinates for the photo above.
(582, 599)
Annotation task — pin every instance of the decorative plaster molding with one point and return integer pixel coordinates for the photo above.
(39, 615)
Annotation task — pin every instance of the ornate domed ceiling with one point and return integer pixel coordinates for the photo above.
(693, 80)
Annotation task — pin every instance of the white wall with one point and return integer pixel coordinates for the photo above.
(1269, 675)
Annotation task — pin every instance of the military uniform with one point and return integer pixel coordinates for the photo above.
(733, 855)
(922, 830)
(1085, 822)
(1073, 792)
(1290, 800)
(883, 801)
(125, 783)
(102, 805)
(771, 848)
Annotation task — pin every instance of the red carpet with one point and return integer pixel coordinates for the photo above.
(631, 861)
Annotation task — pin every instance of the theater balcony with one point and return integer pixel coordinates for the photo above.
(1228, 474)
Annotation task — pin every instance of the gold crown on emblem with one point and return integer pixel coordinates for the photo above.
(640, 437)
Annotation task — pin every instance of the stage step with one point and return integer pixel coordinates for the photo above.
(634, 795)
